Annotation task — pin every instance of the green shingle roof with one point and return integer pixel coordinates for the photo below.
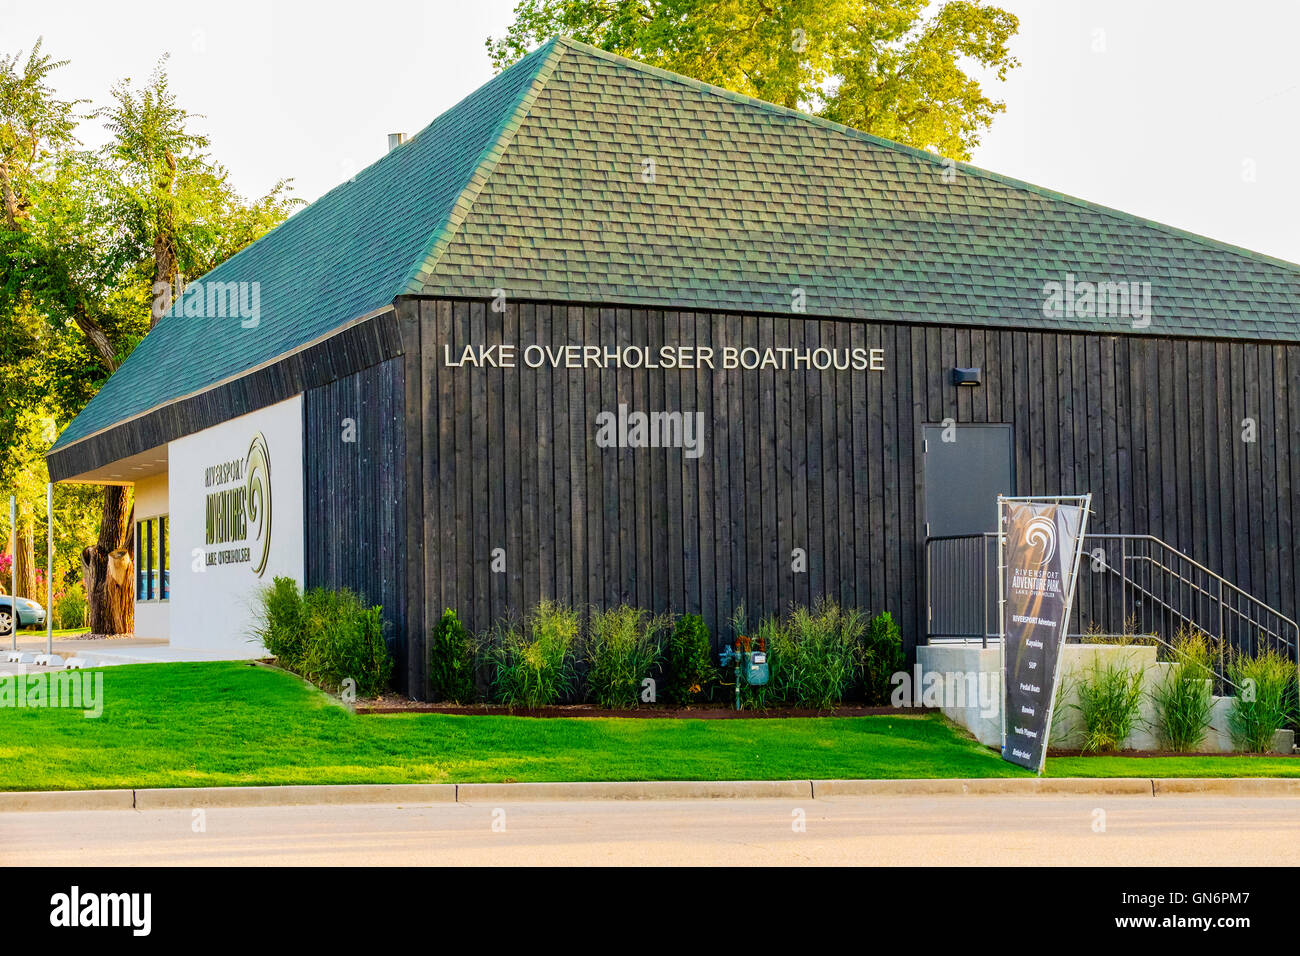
(348, 254)
(750, 201)
(540, 183)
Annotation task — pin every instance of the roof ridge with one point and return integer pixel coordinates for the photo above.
(922, 154)
(550, 53)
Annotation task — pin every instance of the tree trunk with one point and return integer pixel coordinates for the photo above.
(165, 258)
(95, 336)
(26, 558)
(106, 569)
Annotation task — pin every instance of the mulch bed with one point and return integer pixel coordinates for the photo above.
(1156, 753)
(402, 705)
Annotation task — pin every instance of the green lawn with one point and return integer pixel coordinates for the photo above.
(170, 725)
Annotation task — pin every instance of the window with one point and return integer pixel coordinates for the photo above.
(152, 574)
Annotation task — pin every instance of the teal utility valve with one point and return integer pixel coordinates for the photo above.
(750, 665)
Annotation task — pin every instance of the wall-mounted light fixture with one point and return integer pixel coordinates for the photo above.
(965, 376)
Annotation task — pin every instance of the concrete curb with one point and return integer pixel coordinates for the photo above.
(291, 796)
(184, 798)
(1229, 786)
(67, 800)
(987, 786)
(643, 790)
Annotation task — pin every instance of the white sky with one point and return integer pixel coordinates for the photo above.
(1185, 97)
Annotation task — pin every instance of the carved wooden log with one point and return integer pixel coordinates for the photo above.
(110, 597)
(119, 595)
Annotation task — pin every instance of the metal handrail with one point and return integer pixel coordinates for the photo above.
(1250, 614)
(1196, 564)
(1252, 620)
(1156, 599)
(1214, 597)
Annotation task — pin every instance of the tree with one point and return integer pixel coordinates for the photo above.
(881, 66)
(85, 240)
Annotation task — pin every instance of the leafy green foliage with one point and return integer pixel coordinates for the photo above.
(882, 657)
(281, 627)
(174, 205)
(70, 607)
(895, 68)
(1265, 700)
(624, 646)
(535, 667)
(816, 655)
(1108, 700)
(346, 641)
(689, 660)
(1183, 696)
(820, 654)
(84, 234)
(327, 636)
(451, 660)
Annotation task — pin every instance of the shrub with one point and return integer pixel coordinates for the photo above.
(1109, 696)
(535, 667)
(70, 607)
(882, 657)
(624, 646)
(689, 660)
(327, 636)
(451, 660)
(821, 653)
(282, 630)
(1265, 698)
(344, 640)
(1183, 698)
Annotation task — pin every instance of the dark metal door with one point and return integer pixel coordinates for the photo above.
(966, 468)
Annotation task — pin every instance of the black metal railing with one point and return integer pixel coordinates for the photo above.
(961, 582)
(1128, 584)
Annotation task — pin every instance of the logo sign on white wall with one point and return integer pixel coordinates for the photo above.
(1039, 550)
(238, 515)
(235, 495)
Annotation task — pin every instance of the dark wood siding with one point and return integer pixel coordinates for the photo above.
(824, 461)
(356, 347)
(355, 493)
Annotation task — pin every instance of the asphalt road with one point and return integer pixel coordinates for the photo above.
(1127, 831)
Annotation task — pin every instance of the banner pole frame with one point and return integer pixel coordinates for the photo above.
(1085, 510)
(1084, 503)
(13, 574)
(49, 569)
(1002, 629)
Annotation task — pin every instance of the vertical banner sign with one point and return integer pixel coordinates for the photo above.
(1042, 542)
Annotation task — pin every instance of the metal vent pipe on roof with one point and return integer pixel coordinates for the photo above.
(395, 140)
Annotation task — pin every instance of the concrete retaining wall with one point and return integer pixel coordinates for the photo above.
(982, 716)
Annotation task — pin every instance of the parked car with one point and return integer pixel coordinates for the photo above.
(29, 613)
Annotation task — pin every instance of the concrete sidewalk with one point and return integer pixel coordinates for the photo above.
(1008, 830)
(108, 653)
(423, 794)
